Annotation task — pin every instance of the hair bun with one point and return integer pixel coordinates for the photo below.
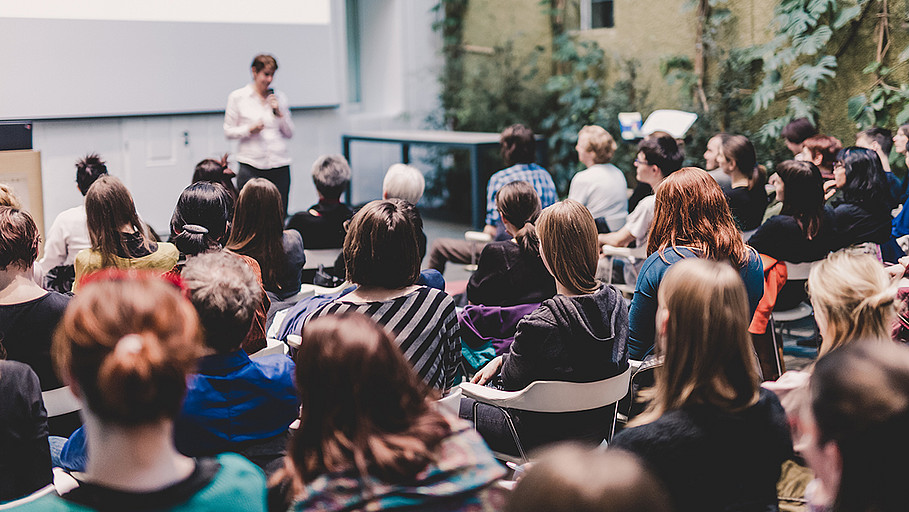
(195, 229)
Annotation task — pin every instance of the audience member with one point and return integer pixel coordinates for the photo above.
(601, 187)
(259, 118)
(258, 232)
(714, 437)
(119, 239)
(405, 182)
(233, 403)
(382, 258)
(747, 197)
(511, 272)
(691, 220)
(853, 301)
(714, 146)
(370, 437)
(28, 313)
(578, 336)
(127, 345)
(322, 225)
(880, 141)
(216, 171)
(795, 133)
(518, 145)
(25, 465)
(657, 158)
(821, 150)
(855, 436)
(8, 197)
(900, 139)
(69, 233)
(200, 224)
(862, 214)
(570, 478)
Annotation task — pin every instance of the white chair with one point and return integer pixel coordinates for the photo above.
(273, 346)
(630, 254)
(479, 239)
(795, 272)
(450, 403)
(60, 401)
(324, 257)
(552, 397)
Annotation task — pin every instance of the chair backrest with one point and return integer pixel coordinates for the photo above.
(559, 396)
(60, 401)
(274, 347)
(799, 271)
(324, 257)
(450, 403)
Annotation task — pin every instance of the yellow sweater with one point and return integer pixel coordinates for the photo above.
(162, 260)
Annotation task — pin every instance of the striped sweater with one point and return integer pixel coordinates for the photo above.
(424, 325)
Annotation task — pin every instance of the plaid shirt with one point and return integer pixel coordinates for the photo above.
(531, 173)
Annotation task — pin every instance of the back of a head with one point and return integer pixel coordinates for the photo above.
(519, 204)
(8, 197)
(803, 196)
(882, 136)
(708, 354)
(738, 149)
(200, 219)
(866, 183)
(572, 478)
(860, 401)
(662, 151)
(331, 174)
(381, 247)
(360, 396)
(691, 210)
(568, 244)
(18, 239)
(88, 169)
(851, 295)
(518, 145)
(225, 292)
(128, 340)
(599, 142)
(826, 146)
(405, 182)
(108, 207)
(258, 228)
(798, 130)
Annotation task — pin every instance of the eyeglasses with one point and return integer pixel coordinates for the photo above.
(641, 162)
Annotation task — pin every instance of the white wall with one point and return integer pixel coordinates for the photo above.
(400, 59)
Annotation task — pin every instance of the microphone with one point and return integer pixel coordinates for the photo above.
(269, 92)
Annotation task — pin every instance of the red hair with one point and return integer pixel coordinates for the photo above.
(826, 146)
(691, 211)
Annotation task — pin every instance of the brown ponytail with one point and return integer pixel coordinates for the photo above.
(519, 204)
(128, 342)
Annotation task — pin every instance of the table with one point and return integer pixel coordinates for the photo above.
(471, 141)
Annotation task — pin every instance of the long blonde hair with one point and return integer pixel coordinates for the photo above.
(854, 295)
(708, 357)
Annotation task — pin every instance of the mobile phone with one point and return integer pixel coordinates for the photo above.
(269, 92)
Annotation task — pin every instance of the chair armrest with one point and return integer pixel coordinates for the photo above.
(612, 250)
(488, 395)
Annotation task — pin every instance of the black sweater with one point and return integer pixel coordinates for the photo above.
(507, 276)
(782, 238)
(714, 460)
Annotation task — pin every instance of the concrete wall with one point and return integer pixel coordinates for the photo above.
(155, 156)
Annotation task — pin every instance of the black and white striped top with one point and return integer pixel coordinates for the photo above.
(425, 327)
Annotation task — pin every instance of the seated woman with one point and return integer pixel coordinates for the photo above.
(25, 466)
(710, 433)
(216, 171)
(862, 214)
(200, 224)
(370, 437)
(577, 336)
(855, 426)
(126, 345)
(691, 220)
(511, 272)
(119, 239)
(258, 232)
(853, 300)
(803, 231)
(28, 313)
(382, 258)
(747, 198)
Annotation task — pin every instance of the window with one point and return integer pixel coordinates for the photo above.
(597, 14)
(353, 51)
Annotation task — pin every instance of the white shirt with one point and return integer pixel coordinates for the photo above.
(640, 219)
(603, 190)
(268, 148)
(67, 236)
